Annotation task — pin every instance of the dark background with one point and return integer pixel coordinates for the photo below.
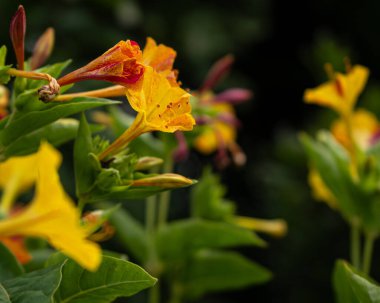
(280, 48)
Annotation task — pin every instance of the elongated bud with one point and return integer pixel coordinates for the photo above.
(145, 163)
(118, 65)
(166, 181)
(42, 49)
(233, 96)
(276, 228)
(17, 32)
(217, 71)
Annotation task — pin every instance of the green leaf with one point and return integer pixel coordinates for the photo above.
(37, 286)
(57, 133)
(129, 233)
(352, 286)
(115, 278)
(26, 121)
(332, 163)
(85, 172)
(182, 238)
(9, 266)
(4, 77)
(207, 199)
(213, 271)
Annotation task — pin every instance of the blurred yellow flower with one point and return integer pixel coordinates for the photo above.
(51, 214)
(364, 128)
(216, 132)
(160, 107)
(341, 92)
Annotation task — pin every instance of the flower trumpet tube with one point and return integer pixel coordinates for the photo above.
(119, 65)
(160, 107)
(276, 227)
(51, 214)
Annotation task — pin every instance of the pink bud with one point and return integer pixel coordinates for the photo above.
(217, 71)
(234, 96)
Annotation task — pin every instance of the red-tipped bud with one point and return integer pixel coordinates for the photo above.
(217, 71)
(118, 65)
(17, 32)
(42, 49)
(234, 96)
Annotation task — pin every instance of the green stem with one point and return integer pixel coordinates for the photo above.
(355, 245)
(163, 209)
(153, 264)
(368, 250)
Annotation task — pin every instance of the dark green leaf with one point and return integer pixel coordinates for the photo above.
(114, 278)
(27, 121)
(179, 239)
(57, 133)
(37, 286)
(85, 172)
(9, 266)
(213, 271)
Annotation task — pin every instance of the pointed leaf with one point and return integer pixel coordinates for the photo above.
(114, 278)
(26, 121)
(352, 286)
(57, 133)
(179, 239)
(9, 266)
(37, 286)
(213, 271)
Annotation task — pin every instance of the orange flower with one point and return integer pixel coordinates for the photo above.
(119, 65)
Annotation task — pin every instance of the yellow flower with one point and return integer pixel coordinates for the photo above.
(161, 58)
(216, 132)
(51, 214)
(364, 127)
(320, 191)
(340, 93)
(160, 107)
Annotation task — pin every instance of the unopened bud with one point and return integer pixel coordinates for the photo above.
(17, 31)
(42, 49)
(4, 96)
(234, 96)
(217, 71)
(166, 181)
(146, 163)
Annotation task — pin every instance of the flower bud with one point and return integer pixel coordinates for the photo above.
(276, 228)
(145, 163)
(217, 71)
(233, 96)
(166, 181)
(42, 49)
(17, 32)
